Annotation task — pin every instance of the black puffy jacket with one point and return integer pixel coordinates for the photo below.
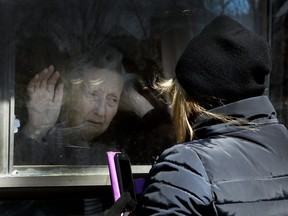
(228, 170)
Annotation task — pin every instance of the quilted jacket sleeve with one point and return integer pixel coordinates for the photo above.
(177, 185)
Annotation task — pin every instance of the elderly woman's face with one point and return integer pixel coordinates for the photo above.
(94, 107)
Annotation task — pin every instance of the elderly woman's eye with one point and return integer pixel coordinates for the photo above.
(92, 95)
(112, 101)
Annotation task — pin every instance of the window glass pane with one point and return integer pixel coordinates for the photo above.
(75, 116)
(279, 43)
(74, 101)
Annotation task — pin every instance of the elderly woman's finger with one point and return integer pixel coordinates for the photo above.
(51, 83)
(59, 94)
(44, 76)
(32, 84)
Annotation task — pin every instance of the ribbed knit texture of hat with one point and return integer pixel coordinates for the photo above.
(224, 63)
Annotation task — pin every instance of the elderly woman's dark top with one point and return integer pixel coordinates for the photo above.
(141, 138)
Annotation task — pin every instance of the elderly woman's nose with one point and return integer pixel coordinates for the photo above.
(99, 107)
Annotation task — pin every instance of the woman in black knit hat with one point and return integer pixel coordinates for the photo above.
(232, 156)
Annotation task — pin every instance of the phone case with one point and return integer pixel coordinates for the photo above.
(113, 175)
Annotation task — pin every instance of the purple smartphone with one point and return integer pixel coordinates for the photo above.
(120, 174)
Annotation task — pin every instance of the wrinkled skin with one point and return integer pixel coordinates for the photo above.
(45, 102)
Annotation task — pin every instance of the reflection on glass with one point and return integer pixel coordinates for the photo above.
(70, 126)
(71, 113)
(278, 78)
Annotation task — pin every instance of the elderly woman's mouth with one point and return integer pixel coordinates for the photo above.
(96, 123)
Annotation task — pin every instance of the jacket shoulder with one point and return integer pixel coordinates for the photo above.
(178, 179)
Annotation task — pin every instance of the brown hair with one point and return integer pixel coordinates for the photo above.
(184, 109)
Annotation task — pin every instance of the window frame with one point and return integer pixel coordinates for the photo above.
(20, 178)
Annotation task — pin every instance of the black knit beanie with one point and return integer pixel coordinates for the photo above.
(223, 64)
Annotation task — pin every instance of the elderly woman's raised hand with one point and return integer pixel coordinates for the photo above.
(44, 104)
(132, 100)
